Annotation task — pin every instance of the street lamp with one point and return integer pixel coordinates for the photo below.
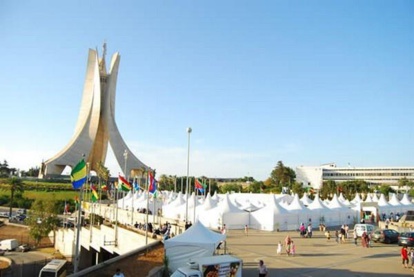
(188, 172)
(125, 167)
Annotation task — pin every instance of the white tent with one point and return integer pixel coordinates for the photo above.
(305, 200)
(196, 241)
(225, 213)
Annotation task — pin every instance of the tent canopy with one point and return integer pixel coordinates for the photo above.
(196, 241)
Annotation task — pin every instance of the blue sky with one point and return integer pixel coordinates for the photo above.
(305, 82)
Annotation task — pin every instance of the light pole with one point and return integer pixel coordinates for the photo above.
(125, 167)
(188, 172)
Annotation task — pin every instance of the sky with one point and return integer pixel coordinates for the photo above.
(303, 82)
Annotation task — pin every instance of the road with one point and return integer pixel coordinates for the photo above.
(27, 263)
(314, 257)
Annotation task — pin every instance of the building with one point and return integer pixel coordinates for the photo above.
(314, 176)
(96, 126)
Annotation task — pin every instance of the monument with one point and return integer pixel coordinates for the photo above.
(96, 126)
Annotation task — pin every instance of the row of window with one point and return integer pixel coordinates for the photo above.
(376, 169)
(402, 174)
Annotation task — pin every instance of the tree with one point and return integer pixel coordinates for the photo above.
(403, 183)
(4, 169)
(282, 175)
(16, 185)
(32, 172)
(298, 188)
(166, 182)
(230, 187)
(255, 187)
(42, 219)
(328, 188)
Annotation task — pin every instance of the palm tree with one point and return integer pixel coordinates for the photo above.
(15, 184)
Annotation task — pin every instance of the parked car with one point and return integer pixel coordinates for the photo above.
(406, 238)
(385, 235)
(361, 228)
(23, 248)
(21, 211)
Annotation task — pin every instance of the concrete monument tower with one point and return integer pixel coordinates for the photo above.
(96, 124)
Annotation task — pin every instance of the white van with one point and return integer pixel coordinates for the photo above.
(361, 228)
(9, 244)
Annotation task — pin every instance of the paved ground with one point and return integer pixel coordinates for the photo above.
(315, 256)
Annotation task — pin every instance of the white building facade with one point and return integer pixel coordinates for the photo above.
(313, 176)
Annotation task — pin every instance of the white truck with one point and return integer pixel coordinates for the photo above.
(213, 266)
(9, 244)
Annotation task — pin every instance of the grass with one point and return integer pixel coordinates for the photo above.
(45, 195)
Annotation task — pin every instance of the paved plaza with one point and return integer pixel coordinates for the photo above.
(315, 256)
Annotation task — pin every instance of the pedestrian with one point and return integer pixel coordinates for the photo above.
(309, 230)
(223, 229)
(118, 273)
(364, 239)
(355, 238)
(404, 256)
(287, 244)
(336, 236)
(346, 231)
(327, 235)
(302, 230)
(412, 258)
(279, 248)
(342, 234)
(292, 248)
(246, 230)
(262, 269)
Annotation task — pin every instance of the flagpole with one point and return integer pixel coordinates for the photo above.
(188, 172)
(132, 206)
(116, 216)
(78, 226)
(195, 200)
(146, 226)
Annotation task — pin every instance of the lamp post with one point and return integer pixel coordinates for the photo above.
(125, 166)
(188, 172)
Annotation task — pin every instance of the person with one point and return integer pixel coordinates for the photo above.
(327, 235)
(262, 269)
(292, 248)
(302, 230)
(287, 244)
(363, 239)
(223, 229)
(246, 230)
(342, 234)
(412, 258)
(404, 256)
(336, 236)
(355, 238)
(346, 231)
(279, 248)
(118, 273)
(309, 230)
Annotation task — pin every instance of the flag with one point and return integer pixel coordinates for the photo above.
(104, 187)
(123, 184)
(78, 175)
(152, 183)
(136, 185)
(198, 185)
(94, 194)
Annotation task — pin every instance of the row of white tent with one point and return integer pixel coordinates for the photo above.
(261, 211)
